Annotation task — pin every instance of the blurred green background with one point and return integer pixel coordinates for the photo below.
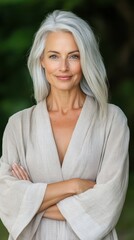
(112, 22)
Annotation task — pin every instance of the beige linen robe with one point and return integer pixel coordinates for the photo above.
(98, 150)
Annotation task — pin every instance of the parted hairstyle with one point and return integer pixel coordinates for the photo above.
(94, 81)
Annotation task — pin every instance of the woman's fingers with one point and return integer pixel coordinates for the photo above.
(25, 174)
(15, 174)
(19, 172)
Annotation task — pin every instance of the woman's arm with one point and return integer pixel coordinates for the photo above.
(55, 192)
(53, 213)
(58, 191)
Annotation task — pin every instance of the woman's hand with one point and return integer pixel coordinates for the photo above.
(83, 185)
(19, 172)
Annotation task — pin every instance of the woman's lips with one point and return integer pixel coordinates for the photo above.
(64, 77)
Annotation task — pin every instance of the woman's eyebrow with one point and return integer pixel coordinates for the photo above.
(52, 51)
(74, 51)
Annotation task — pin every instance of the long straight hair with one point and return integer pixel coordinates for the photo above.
(94, 81)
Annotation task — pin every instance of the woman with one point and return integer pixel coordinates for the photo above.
(64, 168)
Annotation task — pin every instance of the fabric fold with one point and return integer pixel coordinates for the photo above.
(18, 207)
(28, 209)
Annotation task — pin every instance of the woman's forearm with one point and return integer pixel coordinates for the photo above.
(56, 192)
(53, 213)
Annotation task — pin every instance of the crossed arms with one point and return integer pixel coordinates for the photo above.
(55, 192)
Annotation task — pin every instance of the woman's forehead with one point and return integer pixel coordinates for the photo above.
(61, 39)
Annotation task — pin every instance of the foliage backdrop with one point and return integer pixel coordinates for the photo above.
(112, 22)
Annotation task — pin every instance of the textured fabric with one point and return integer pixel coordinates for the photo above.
(98, 151)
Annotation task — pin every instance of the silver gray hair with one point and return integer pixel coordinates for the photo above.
(94, 81)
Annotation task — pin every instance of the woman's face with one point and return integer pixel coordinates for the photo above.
(61, 61)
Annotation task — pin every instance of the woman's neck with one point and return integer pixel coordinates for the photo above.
(64, 101)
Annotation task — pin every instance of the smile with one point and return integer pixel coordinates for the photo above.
(64, 77)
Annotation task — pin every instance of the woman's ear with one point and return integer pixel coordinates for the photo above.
(42, 60)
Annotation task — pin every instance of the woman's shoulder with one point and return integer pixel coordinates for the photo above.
(19, 120)
(115, 110)
(22, 114)
(116, 114)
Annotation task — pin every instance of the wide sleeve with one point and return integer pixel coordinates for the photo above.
(19, 199)
(94, 213)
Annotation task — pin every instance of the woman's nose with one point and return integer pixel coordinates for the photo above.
(64, 65)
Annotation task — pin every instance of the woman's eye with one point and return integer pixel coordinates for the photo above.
(75, 56)
(53, 56)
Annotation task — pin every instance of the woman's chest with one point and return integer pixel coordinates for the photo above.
(63, 128)
(82, 155)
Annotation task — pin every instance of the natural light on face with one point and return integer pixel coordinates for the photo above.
(61, 61)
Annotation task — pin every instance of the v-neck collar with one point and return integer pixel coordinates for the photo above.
(77, 137)
(73, 133)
